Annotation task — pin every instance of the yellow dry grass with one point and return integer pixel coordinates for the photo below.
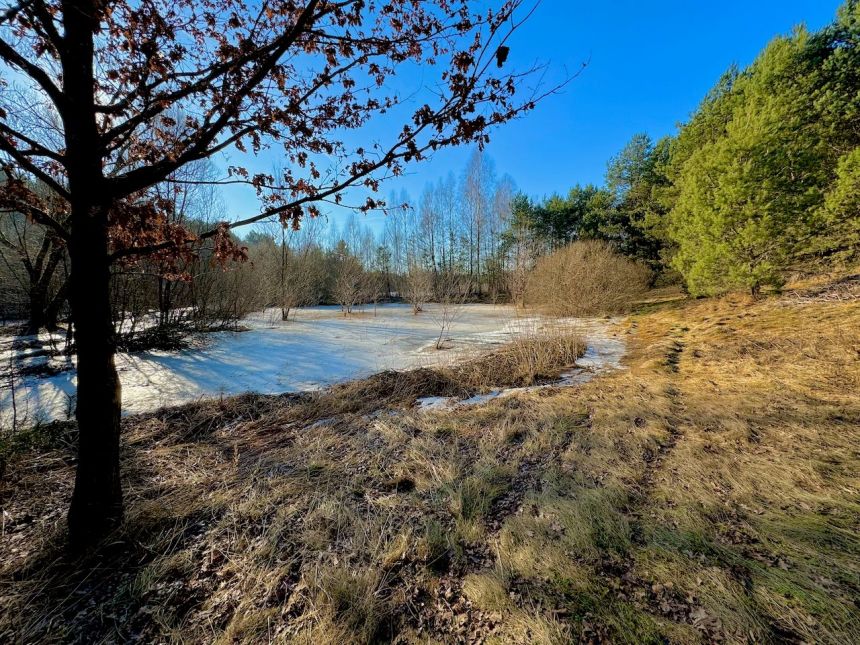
(708, 492)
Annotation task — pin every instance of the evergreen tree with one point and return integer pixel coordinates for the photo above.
(840, 214)
(753, 168)
(635, 178)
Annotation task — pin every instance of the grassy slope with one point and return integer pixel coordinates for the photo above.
(709, 492)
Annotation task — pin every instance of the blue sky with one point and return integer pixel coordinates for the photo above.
(649, 65)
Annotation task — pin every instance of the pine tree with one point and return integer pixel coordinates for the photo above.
(754, 167)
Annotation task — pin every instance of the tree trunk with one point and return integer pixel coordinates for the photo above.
(52, 311)
(42, 310)
(36, 316)
(97, 500)
(162, 314)
(478, 263)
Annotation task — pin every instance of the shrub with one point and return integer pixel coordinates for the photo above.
(586, 278)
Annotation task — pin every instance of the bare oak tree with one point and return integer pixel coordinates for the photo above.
(35, 257)
(297, 74)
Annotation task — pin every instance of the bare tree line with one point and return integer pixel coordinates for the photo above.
(454, 238)
(454, 244)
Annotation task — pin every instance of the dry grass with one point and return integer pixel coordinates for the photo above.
(707, 493)
(536, 355)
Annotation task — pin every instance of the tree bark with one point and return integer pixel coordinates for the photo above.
(97, 499)
(52, 311)
(36, 315)
(42, 309)
(165, 301)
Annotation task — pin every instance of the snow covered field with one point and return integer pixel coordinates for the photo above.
(318, 348)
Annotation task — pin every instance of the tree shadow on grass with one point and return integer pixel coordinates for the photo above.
(184, 469)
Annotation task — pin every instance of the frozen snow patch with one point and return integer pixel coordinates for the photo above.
(435, 402)
(604, 352)
(317, 348)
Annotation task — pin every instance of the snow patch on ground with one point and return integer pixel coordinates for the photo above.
(434, 402)
(604, 352)
(319, 347)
